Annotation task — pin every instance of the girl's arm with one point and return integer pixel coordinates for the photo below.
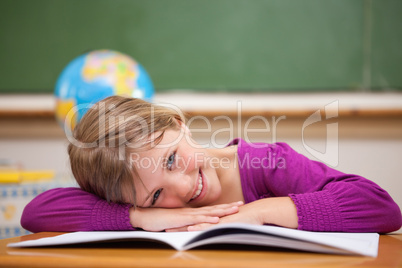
(72, 209)
(327, 199)
(293, 191)
(330, 200)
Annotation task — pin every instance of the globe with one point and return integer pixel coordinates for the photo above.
(94, 76)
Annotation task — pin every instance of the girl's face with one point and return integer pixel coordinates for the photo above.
(176, 173)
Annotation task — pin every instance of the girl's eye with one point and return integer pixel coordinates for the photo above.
(170, 161)
(156, 195)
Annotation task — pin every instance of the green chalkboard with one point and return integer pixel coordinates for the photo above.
(209, 45)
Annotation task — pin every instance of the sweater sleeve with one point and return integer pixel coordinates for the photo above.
(72, 209)
(329, 200)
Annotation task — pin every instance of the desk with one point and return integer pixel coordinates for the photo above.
(124, 255)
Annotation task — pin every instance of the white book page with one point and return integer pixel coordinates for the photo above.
(175, 240)
(357, 243)
(272, 241)
(346, 243)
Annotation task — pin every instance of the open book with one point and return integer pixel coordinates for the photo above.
(335, 243)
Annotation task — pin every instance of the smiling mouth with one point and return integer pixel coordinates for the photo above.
(200, 187)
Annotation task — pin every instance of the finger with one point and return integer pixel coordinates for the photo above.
(179, 229)
(199, 227)
(220, 206)
(225, 211)
(216, 211)
(197, 219)
(181, 221)
(233, 204)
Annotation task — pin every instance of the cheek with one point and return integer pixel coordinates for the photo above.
(187, 161)
(191, 159)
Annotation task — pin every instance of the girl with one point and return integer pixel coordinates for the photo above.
(138, 168)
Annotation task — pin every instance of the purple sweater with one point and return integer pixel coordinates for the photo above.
(326, 199)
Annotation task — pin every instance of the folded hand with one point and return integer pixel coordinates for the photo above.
(177, 219)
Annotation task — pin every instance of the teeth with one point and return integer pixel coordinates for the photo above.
(199, 188)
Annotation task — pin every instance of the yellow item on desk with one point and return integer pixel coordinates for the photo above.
(18, 176)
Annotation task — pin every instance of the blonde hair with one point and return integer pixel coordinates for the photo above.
(106, 135)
